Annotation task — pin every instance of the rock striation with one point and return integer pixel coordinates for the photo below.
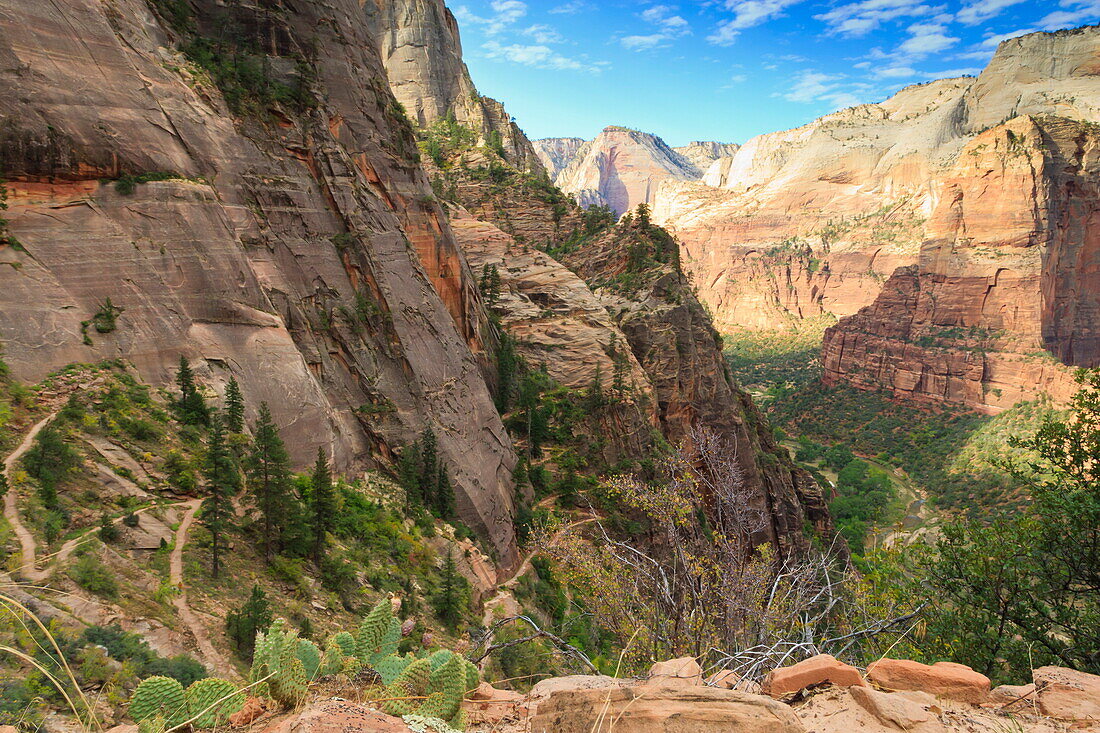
(422, 54)
(291, 243)
(703, 154)
(620, 169)
(1007, 287)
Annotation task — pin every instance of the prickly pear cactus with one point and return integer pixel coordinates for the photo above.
(335, 660)
(449, 681)
(439, 658)
(389, 667)
(310, 657)
(276, 658)
(434, 707)
(411, 683)
(390, 641)
(473, 676)
(212, 700)
(346, 642)
(373, 630)
(161, 696)
(154, 724)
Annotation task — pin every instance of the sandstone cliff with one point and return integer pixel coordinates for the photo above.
(422, 53)
(1007, 287)
(286, 236)
(812, 221)
(621, 168)
(703, 154)
(557, 152)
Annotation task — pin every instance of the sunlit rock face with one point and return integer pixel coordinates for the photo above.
(295, 248)
(839, 215)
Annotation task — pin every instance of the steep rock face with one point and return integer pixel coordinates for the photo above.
(556, 153)
(1009, 276)
(297, 249)
(839, 204)
(675, 365)
(703, 154)
(422, 54)
(622, 168)
(675, 342)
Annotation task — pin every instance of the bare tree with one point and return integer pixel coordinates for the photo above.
(700, 586)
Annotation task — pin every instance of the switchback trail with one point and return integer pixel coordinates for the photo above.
(210, 654)
(27, 545)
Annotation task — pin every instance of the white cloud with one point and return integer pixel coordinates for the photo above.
(571, 8)
(539, 56)
(505, 14)
(925, 39)
(643, 43)
(543, 34)
(746, 14)
(859, 18)
(1078, 12)
(670, 26)
(982, 10)
(815, 87)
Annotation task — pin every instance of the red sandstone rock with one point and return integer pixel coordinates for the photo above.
(823, 668)
(943, 679)
(1068, 694)
(337, 716)
(894, 710)
(646, 710)
(674, 674)
(253, 708)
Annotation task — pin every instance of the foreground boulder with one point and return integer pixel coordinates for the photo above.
(1067, 694)
(943, 679)
(642, 709)
(824, 668)
(895, 710)
(1010, 694)
(674, 674)
(338, 716)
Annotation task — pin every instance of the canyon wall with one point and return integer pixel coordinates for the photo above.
(620, 169)
(289, 240)
(811, 222)
(1006, 290)
(422, 54)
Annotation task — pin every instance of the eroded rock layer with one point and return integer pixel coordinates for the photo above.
(1007, 288)
(292, 243)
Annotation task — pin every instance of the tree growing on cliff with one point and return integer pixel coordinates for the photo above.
(234, 407)
(190, 406)
(696, 581)
(222, 482)
(49, 460)
(322, 505)
(270, 484)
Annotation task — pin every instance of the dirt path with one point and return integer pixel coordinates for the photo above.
(211, 657)
(504, 587)
(27, 545)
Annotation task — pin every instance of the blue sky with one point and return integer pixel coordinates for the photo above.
(727, 69)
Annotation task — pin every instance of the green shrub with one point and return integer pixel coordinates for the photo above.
(92, 575)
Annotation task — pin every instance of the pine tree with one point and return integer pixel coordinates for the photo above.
(49, 461)
(234, 407)
(449, 601)
(444, 494)
(241, 625)
(222, 482)
(429, 467)
(322, 505)
(408, 474)
(191, 408)
(269, 479)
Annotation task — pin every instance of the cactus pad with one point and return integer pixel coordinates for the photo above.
(310, 657)
(161, 696)
(203, 698)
